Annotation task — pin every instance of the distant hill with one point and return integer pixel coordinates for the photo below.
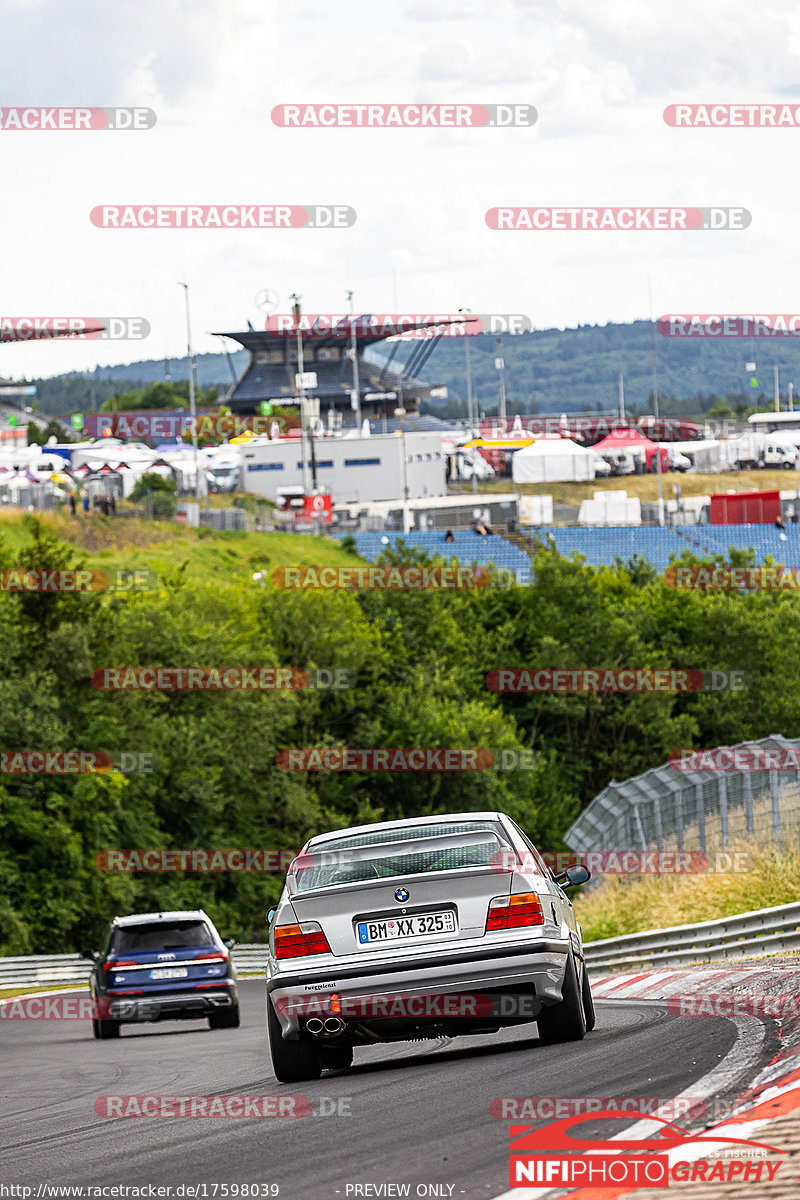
(549, 370)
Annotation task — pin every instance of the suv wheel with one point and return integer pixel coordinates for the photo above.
(226, 1018)
(107, 1029)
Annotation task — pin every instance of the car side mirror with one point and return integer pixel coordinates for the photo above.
(271, 915)
(92, 955)
(573, 876)
(229, 942)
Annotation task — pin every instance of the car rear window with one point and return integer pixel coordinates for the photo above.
(163, 935)
(479, 850)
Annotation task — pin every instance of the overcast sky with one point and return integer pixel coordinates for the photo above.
(599, 74)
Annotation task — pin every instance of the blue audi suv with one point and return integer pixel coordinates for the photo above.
(163, 966)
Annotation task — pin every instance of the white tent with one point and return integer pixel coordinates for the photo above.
(553, 460)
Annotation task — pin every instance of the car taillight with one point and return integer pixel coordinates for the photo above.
(120, 966)
(295, 941)
(210, 958)
(512, 912)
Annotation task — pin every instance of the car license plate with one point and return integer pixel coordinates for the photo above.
(401, 928)
(169, 973)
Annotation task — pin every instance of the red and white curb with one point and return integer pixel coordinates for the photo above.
(774, 1093)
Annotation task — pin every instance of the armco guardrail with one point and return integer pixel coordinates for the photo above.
(765, 931)
(71, 968)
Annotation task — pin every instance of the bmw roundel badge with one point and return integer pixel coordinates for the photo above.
(401, 894)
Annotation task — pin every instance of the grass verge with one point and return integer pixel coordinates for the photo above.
(618, 906)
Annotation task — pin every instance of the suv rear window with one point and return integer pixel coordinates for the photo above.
(161, 935)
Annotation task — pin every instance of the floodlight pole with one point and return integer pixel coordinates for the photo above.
(353, 351)
(192, 405)
(297, 310)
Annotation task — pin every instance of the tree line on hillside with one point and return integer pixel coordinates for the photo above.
(420, 664)
(547, 370)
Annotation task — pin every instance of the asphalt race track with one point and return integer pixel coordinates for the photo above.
(418, 1112)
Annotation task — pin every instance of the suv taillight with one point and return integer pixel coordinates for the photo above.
(513, 912)
(218, 957)
(295, 941)
(120, 965)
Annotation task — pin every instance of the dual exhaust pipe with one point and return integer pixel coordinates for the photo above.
(330, 1027)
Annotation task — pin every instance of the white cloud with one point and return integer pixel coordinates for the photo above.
(599, 75)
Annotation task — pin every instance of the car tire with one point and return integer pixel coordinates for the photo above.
(335, 1057)
(292, 1062)
(588, 1001)
(226, 1018)
(95, 1028)
(107, 1029)
(564, 1022)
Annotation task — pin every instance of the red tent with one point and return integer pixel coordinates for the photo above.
(631, 439)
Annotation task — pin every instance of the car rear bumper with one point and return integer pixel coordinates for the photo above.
(376, 988)
(170, 1006)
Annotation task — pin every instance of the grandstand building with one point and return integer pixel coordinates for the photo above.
(384, 387)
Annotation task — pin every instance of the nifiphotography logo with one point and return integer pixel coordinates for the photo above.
(553, 1156)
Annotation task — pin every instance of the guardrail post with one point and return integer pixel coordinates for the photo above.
(722, 797)
(776, 807)
(637, 816)
(701, 817)
(748, 802)
(658, 826)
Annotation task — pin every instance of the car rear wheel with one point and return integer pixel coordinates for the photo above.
(226, 1018)
(588, 1001)
(564, 1022)
(95, 1028)
(292, 1062)
(107, 1029)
